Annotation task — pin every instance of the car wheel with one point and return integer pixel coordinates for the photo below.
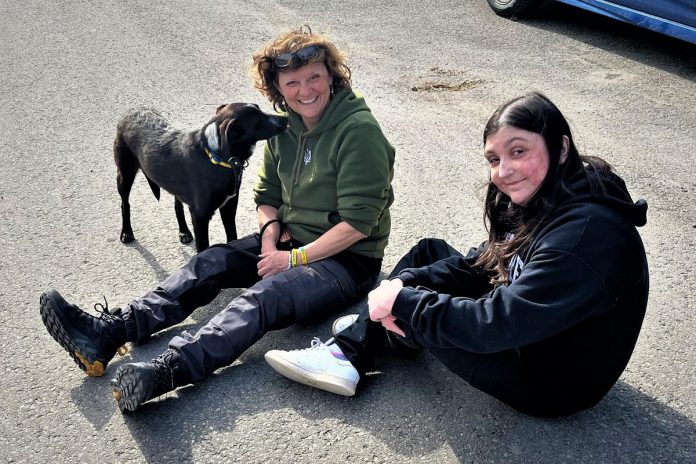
(509, 8)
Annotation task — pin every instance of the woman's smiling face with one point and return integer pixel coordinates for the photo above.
(519, 161)
(307, 91)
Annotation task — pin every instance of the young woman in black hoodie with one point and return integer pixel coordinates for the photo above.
(545, 314)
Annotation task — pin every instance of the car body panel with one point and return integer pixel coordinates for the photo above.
(675, 18)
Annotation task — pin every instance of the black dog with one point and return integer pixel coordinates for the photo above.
(202, 169)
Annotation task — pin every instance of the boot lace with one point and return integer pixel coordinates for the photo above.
(103, 310)
(164, 377)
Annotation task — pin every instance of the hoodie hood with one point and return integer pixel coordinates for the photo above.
(608, 189)
(342, 105)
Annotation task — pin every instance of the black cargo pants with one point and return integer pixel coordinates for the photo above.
(300, 294)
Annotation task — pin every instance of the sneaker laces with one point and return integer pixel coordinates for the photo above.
(317, 344)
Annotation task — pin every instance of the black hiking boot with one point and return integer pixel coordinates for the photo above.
(137, 383)
(91, 341)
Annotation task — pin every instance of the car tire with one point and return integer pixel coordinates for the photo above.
(509, 8)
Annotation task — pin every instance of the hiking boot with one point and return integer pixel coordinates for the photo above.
(91, 341)
(342, 323)
(137, 383)
(321, 366)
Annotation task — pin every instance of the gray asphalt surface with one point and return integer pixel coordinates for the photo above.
(432, 72)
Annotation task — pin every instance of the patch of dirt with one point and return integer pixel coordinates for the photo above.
(448, 80)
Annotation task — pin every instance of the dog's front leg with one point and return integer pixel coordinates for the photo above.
(228, 214)
(185, 235)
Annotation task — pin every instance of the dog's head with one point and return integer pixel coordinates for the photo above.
(236, 127)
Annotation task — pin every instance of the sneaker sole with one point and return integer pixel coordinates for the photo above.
(327, 382)
(56, 327)
(336, 325)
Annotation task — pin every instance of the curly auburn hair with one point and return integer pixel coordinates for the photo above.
(265, 74)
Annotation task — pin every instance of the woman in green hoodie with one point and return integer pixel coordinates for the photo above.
(323, 200)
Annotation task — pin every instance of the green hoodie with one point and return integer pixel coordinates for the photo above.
(341, 170)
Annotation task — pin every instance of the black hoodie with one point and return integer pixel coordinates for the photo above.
(573, 311)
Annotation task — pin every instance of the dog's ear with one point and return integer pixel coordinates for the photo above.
(230, 131)
(217, 110)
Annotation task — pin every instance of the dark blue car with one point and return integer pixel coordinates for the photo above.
(676, 18)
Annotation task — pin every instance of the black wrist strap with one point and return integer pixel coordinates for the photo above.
(265, 226)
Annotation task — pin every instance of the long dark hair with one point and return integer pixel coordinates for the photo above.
(532, 112)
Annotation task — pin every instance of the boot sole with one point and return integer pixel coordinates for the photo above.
(127, 389)
(56, 327)
(326, 382)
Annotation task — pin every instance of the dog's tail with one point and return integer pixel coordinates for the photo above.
(154, 187)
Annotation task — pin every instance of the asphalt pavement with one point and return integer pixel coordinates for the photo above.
(432, 73)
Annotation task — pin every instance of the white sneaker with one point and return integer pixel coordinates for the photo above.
(321, 366)
(342, 323)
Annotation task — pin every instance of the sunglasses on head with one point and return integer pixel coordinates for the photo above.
(307, 53)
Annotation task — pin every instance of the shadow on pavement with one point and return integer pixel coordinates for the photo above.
(414, 408)
(153, 262)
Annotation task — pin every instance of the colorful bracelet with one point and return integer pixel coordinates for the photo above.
(303, 256)
(298, 257)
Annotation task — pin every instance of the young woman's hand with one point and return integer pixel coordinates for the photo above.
(272, 263)
(380, 302)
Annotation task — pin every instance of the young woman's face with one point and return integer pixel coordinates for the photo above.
(307, 91)
(519, 161)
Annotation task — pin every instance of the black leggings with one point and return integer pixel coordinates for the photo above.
(502, 375)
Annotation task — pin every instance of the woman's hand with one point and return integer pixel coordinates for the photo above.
(272, 263)
(380, 302)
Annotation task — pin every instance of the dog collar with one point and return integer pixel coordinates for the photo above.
(231, 163)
